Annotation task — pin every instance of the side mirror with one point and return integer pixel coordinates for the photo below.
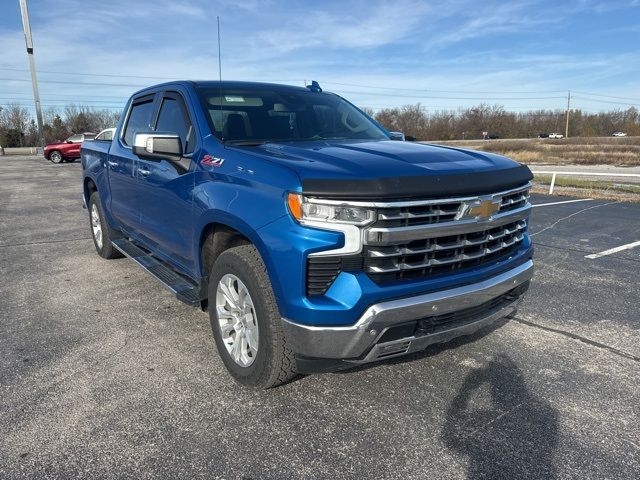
(160, 146)
(398, 136)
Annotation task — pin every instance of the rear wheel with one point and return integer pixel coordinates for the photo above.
(56, 157)
(100, 230)
(246, 322)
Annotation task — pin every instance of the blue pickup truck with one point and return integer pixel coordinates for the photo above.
(314, 239)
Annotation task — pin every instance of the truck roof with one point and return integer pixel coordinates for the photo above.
(226, 84)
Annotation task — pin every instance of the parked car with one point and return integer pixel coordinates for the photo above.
(67, 151)
(556, 135)
(313, 240)
(543, 135)
(105, 135)
(619, 134)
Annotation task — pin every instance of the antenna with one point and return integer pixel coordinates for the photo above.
(220, 83)
(219, 56)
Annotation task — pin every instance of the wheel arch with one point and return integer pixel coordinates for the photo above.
(89, 186)
(223, 232)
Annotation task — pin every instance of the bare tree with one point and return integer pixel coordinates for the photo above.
(14, 119)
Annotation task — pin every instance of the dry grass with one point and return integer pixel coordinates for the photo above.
(588, 193)
(586, 188)
(624, 152)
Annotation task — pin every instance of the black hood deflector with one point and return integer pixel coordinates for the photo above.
(419, 187)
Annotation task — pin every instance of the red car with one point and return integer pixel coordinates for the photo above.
(68, 150)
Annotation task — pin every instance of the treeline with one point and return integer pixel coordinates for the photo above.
(19, 129)
(470, 123)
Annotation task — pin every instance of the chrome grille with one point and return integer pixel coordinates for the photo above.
(440, 211)
(514, 200)
(417, 239)
(412, 240)
(442, 254)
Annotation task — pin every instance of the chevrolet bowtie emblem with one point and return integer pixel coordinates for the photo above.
(484, 209)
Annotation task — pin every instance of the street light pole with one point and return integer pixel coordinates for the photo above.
(32, 67)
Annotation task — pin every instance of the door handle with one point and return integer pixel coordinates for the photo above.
(111, 163)
(144, 172)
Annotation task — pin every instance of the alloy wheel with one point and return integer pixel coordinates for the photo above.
(237, 320)
(96, 226)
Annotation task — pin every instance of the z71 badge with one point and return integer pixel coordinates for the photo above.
(210, 161)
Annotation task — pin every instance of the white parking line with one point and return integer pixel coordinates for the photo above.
(628, 246)
(565, 201)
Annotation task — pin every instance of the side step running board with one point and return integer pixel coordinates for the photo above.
(185, 290)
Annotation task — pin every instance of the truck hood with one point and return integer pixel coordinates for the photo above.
(392, 169)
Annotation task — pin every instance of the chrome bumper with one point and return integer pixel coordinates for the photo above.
(360, 342)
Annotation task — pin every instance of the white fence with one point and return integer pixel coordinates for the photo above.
(554, 174)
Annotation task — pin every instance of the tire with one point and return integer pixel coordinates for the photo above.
(101, 231)
(56, 157)
(274, 362)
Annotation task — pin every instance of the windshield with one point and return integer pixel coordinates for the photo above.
(256, 116)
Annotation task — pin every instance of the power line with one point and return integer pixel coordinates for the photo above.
(72, 97)
(607, 96)
(440, 91)
(76, 101)
(608, 101)
(448, 98)
(328, 82)
(112, 75)
(104, 107)
(78, 83)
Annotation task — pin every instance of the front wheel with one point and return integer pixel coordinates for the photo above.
(56, 157)
(246, 322)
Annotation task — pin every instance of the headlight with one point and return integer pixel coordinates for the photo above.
(304, 210)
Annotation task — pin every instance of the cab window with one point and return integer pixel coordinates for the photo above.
(173, 118)
(139, 120)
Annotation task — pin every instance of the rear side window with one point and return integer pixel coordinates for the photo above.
(105, 136)
(173, 119)
(139, 120)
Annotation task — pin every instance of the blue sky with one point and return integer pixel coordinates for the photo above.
(519, 54)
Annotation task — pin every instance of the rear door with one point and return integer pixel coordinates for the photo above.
(165, 190)
(122, 164)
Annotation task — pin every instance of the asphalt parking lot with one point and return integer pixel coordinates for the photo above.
(104, 374)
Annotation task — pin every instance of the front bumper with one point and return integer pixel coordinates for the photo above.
(365, 341)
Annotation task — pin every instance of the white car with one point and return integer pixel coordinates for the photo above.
(619, 134)
(105, 135)
(556, 135)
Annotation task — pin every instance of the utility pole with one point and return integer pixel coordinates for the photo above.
(32, 67)
(566, 130)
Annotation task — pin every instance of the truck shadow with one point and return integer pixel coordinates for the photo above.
(503, 429)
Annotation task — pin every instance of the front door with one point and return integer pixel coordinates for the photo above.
(72, 149)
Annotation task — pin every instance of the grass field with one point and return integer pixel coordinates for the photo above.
(622, 152)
